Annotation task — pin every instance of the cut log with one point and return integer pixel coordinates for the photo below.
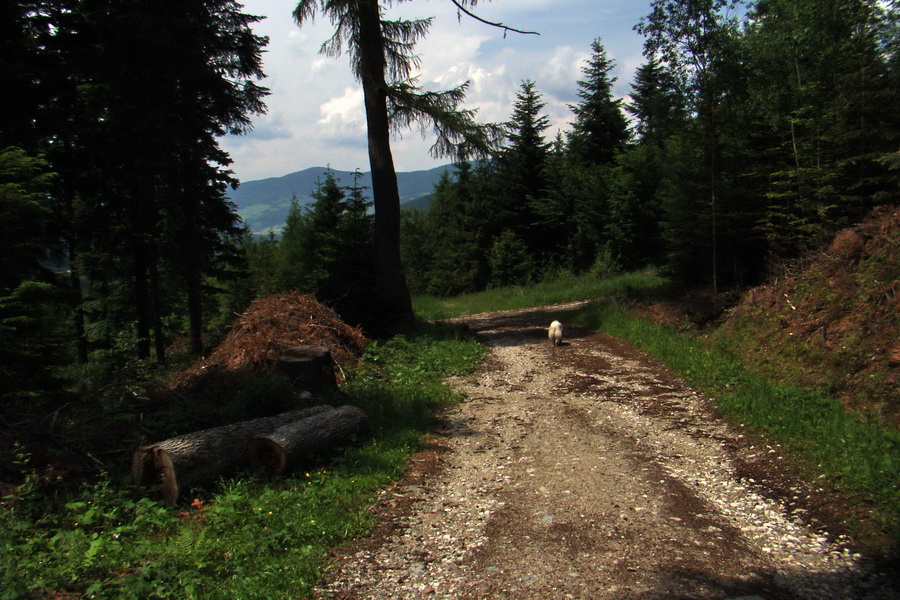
(294, 443)
(201, 457)
(309, 367)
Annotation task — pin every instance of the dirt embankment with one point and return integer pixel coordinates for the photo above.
(832, 321)
(587, 471)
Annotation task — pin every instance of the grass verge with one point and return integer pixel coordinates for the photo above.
(250, 538)
(557, 291)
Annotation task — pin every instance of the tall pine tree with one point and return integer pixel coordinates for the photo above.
(600, 129)
(381, 58)
(522, 171)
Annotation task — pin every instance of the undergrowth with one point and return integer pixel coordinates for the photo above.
(251, 537)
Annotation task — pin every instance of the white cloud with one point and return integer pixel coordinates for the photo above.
(560, 73)
(269, 127)
(315, 110)
(346, 109)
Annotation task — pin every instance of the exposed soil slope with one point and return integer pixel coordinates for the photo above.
(587, 471)
(835, 323)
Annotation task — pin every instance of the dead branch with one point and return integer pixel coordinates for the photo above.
(505, 28)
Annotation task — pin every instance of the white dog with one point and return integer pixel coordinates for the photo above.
(555, 333)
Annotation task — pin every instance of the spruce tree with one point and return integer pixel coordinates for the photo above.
(458, 262)
(824, 104)
(381, 58)
(326, 248)
(600, 129)
(153, 205)
(697, 43)
(522, 171)
(510, 261)
(33, 322)
(656, 104)
(571, 213)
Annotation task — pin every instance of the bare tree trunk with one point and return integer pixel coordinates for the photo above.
(195, 307)
(78, 312)
(141, 297)
(392, 291)
(159, 338)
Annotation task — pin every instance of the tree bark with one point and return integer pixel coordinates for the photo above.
(81, 344)
(294, 443)
(394, 303)
(201, 457)
(195, 307)
(141, 297)
(159, 338)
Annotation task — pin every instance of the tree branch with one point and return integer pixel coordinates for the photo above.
(505, 28)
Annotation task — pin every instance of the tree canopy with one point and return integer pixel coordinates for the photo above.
(112, 170)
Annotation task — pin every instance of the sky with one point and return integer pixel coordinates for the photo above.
(315, 112)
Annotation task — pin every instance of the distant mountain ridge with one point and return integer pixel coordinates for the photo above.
(264, 203)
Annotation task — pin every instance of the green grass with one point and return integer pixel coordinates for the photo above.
(251, 537)
(557, 291)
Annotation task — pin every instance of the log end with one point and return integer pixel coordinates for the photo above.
(267, 454)
(151, 465)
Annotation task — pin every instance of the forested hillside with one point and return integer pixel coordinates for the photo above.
(834, 323)
(263, 204)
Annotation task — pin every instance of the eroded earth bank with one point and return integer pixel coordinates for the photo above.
(587, 471)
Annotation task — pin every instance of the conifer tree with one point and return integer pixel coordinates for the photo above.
(510, 261)
(571, 213)
(326, 248)
(417, 248)
(522, 170)
(696, 41)
(154, 207)
(458, 262)
(310, 239)
(825, 102)
(32, 307)
(575, 208)
(600, 129)
(381, 58)
(632, 231)
(656, 104)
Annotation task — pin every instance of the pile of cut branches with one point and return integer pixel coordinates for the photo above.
(267, 330)
(273, 324)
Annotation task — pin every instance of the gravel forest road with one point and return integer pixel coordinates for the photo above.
(587, 471)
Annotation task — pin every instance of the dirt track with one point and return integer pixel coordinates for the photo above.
(586, 471)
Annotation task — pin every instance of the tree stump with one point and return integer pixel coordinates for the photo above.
(201, 457)
(309, 367)
(296, 442)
